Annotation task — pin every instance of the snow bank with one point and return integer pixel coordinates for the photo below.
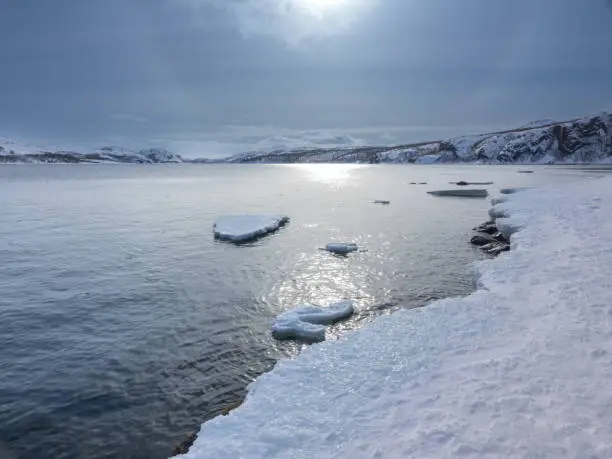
(243, 228)
(520, 368)
(308, 322)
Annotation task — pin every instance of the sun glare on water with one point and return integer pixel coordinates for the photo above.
(332, 174)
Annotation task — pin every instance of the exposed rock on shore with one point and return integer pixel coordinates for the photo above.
(489, 239)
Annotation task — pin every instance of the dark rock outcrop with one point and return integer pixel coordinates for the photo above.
(489, 239)
(487, 228)
(482, 239)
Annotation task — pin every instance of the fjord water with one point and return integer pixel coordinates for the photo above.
(125, 325)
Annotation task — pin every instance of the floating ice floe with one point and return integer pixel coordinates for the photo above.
(243, 228)
(475, 193)
(464, 183)
(341, 248)
(308, 322)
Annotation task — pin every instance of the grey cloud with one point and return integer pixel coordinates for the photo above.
(293, 21)
(405, 70)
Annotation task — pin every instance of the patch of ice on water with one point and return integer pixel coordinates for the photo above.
(243, 228)
(461, 193)
(308, 322)
(341, 248)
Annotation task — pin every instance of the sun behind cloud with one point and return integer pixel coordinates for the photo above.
(293, 21)
(321, 7)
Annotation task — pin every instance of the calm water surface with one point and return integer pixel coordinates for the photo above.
(125, 325)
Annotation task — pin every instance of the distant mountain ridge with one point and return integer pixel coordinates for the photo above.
(11, 152)
(579, 141)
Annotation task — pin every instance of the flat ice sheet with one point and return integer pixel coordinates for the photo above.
(242, 228)
(462, 193)
(308, 322)
(521, 368)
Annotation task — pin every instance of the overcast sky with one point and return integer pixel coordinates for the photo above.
(213, 76)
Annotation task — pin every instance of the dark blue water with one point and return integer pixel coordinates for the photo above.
(125, 325)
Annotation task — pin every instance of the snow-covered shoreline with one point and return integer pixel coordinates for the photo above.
(519, 368)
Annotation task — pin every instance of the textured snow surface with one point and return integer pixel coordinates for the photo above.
(521, 368)
(308, 322)
(242, 228)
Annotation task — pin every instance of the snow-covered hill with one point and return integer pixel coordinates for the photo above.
(580, 141)
(584, 140)
(15, 152)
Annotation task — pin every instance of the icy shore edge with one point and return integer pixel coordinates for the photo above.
(519, 368)
(247, 227)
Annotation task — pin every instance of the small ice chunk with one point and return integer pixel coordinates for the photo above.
(243, 228)
(308, 322)
(472, 193)
(341, 247)
(464, 183)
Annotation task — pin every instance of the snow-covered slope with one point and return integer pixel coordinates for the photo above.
(584, 140)
(521, 368)
(539, 123)
(15, 152)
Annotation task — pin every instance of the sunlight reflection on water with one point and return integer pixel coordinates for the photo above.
(322, 278)
(331, 174)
